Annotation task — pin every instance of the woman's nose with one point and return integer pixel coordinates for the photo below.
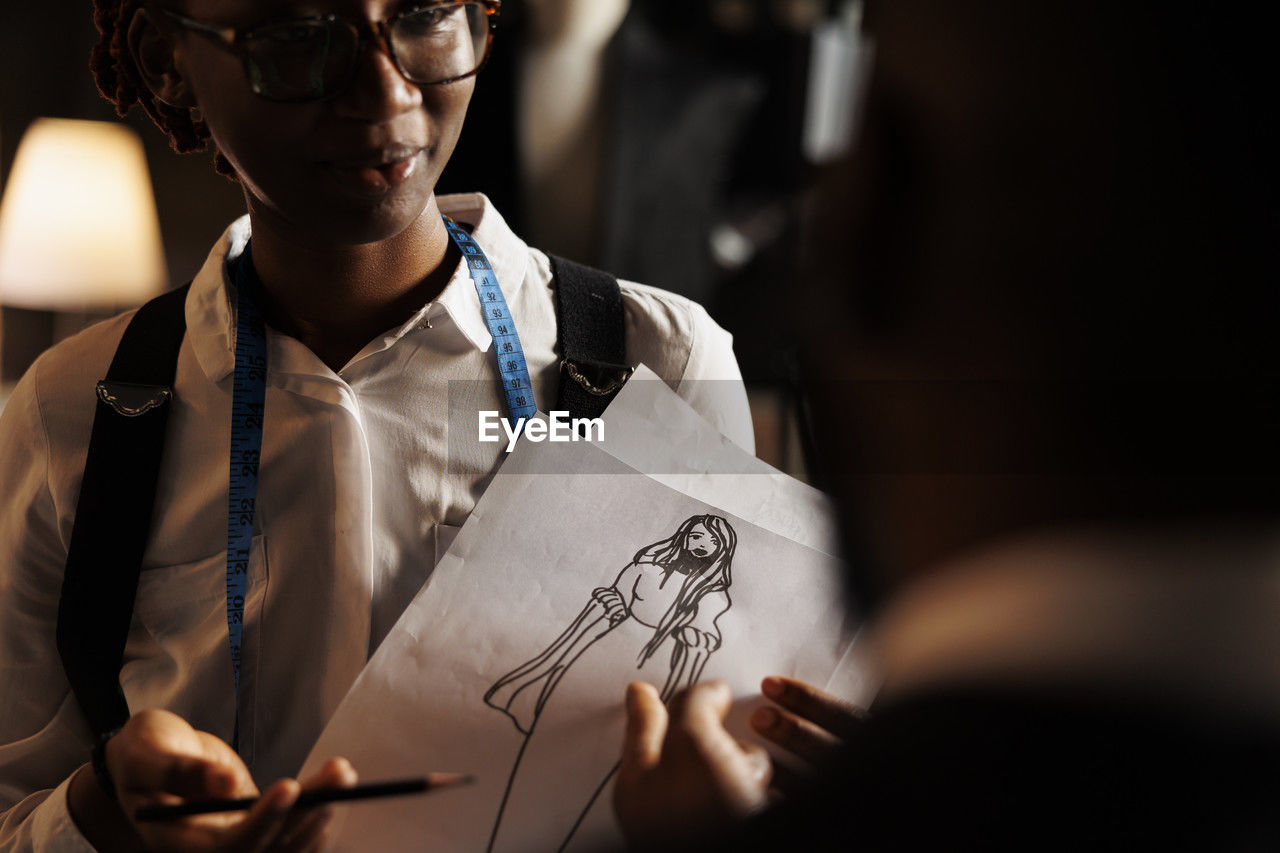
(379, 91)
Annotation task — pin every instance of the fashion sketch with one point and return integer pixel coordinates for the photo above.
(659, 618)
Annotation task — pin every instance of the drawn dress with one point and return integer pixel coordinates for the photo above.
(656, 623)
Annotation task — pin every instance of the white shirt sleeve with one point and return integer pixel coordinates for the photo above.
(678, 340)
(712, 382)
(43, 736)
(42, 823)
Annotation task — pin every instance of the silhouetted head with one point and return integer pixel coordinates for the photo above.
(1047, 278)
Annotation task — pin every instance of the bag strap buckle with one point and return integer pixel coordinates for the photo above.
(130, 399)
(600, 378)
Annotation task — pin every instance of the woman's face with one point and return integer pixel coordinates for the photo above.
(701, 542)
(354, 169)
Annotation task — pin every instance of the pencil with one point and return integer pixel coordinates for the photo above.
(391, 788)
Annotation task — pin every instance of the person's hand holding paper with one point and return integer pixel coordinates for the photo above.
(682, 776)
(579, 572)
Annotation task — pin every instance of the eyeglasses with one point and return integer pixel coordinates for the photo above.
(313, 59)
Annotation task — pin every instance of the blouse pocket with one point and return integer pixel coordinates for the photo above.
(186, 666)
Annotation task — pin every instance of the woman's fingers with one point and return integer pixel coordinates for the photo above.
(738, 773)
(304, 830)
(800, 737)
(646, 729)
(158, 758)
(188, 777)
(304, 826)
(157, 753)
(707, 704)
(336, 773)
(640, 795)
(682, 775)
(262, 826)
(818, 707)
(758, 764)
(787, 781)
(227, 765)
(809, 724)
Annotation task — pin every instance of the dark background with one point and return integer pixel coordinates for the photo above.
(44, 61)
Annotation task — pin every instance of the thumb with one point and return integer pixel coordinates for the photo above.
(757, 763)
(708, 703)
(646, 728)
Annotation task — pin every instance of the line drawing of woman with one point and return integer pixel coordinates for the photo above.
(661, 612)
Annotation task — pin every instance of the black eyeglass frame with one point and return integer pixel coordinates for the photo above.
(234, 38)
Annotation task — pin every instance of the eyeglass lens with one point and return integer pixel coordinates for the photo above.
(302, 60)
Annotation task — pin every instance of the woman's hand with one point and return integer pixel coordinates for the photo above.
(614, 607)
(158, 758)
(682, 775)
(808, 723)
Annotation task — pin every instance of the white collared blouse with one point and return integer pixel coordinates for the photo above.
(360, 494)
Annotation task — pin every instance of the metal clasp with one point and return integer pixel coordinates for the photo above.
(131, 399)
(597, 377)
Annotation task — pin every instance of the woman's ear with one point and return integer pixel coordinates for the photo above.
(153, 52)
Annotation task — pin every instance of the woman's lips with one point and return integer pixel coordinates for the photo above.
(376, 175)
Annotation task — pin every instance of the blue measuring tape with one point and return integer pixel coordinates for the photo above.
(248, 398)
(497, 318)
(248, 405)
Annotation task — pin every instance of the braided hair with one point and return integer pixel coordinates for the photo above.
(121, 83)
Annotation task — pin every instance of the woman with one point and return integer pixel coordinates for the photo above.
(335, 117)
(656, 622)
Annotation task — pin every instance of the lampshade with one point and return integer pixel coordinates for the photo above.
(78, 226)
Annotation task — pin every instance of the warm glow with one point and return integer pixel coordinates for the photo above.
(78, 226)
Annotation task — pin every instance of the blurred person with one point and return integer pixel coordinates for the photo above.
(636, 129)
(661, 141)
(335, 118)
(1043, 379)
(542, 105)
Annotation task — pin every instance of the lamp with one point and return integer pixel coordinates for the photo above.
(78, 226)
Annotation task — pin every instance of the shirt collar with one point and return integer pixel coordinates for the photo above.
(507, 254)
(211, 316)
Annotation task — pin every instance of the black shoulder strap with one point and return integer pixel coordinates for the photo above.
(113, 513)
(117, 495)
(593, 338)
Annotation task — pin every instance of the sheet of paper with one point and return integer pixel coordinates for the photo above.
(656, 432)
(575, 575)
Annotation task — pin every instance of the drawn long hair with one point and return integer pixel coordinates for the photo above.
(706, 575)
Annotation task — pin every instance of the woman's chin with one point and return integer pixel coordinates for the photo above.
(358, 224)
(326, 212)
